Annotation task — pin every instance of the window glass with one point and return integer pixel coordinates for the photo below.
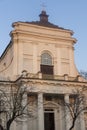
(46, 59)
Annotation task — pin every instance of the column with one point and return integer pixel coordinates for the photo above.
(67, 113)
(40, 112)
(24, 123)
(82, 122)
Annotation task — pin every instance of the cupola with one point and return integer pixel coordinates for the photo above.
(43, 16)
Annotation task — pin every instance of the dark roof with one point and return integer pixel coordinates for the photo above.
(45, 24)
(4, 52)
(44, 21)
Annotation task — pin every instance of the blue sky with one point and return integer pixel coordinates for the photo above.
(70, 14)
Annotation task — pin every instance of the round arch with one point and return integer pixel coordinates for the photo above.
(46, 63)
(48, 57)
(51, 104)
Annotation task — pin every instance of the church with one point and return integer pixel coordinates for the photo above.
(43, 54)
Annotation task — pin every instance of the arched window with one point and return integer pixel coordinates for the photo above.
(46, 64)
(46, 59)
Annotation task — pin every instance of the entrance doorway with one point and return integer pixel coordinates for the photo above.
(49, 122)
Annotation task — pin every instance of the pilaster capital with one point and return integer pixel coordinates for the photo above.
(66, 98)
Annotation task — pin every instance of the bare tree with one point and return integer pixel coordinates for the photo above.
(84, 74)
(13, 105)
(75, 107)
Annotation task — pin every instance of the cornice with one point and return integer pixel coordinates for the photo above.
(59, 83)
(27, 24)
(24, 34)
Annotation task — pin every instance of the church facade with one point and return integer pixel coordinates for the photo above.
(43, 53)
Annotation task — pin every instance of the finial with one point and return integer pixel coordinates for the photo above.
(43, 16)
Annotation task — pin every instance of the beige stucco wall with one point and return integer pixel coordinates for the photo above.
(6, 63)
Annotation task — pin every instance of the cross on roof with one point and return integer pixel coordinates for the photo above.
(43, 6)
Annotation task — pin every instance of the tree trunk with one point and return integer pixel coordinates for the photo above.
(8, 124)
(73, 124)
(1, 128)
